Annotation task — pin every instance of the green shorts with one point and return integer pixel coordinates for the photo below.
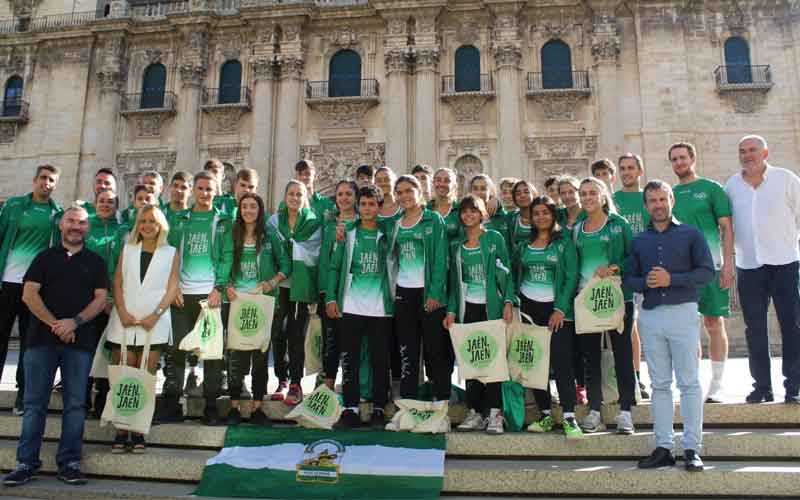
(715, 301)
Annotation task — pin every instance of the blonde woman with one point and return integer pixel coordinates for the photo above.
(145, 284)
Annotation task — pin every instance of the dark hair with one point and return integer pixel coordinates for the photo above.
(201, 176)
(555, 229)
(50, 168)
(143, 187)
(604, 163)
(471, 201)
(686, 145)
(240, 231)
(371, 191)
(656, 185)
(106, 171)
(213, 161)
(180, 175)
(634, 157)
(409, 179)
(553, 179)
(108, 190)
(353, 187)
(247, 175)
(422, 168)
(365, 170)
(517, 184)
(303, 164)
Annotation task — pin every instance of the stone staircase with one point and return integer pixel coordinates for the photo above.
(751, 451)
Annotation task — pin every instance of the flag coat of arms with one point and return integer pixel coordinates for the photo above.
(317, 464)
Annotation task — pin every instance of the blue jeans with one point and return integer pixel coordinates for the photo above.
(40, 369)
(670, 339)
(756, 288)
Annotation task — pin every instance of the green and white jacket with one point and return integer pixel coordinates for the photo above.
(9, 223)
(302, 244)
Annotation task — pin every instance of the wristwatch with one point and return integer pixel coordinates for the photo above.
(159, 311)
(78, 320)
(219, 288)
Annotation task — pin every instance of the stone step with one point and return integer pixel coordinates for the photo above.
(485, 477)
(717, 443)
(714, 415)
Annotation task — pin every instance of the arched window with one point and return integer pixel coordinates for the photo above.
(12, 98)
(154, 83)
(737, 60)
(468, 69)
(556, 65)
(230, 82)
(345, 74)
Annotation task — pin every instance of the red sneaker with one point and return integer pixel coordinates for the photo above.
(580, 395)
(280, 392)
(294, 396)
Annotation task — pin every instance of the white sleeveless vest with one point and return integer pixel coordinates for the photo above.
(142, 296)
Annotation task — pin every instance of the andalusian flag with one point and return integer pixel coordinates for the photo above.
(319, 464)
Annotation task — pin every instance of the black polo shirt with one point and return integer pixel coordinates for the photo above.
(68, 284)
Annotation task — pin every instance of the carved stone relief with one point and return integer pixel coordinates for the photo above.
(746, 101)
(131, 165)
(342, 112)
(542, 169)
(559, 105)
(8, 132)
(467, 108)
(606, 44)
(563, 147)
(467, 167)
(343, 37)
(461, 147)
(339, 159)
(149, 124)
(225, 120)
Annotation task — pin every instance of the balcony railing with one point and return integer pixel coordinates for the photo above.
(367, 88)
(155, 10)
(148, 101)
(452, 85)
(227, 96)
(14, 110)
(558, 81)
(51, 22)
(743, 77)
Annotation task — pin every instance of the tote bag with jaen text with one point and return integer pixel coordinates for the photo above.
(132, 398)
(600, 306)
(250, 322)
(205, 340)
(529, 353)
(481, 350)
(318, 410)
(313, 342)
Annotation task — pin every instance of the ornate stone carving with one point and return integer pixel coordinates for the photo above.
(152, 56)
(8, 132)
(130, 166)
(468, 32)
(264, 68)
(111, 81)
(562, 147)
(229, 46)
(53, 53)
(396, 61)
(747, 101)
(232, 155)
(396, 26)
(23, 8)
(507, 55)
(460, 147)
(467, 108)
(427, 59)
(343, 112)
(559, 106)
(291, 67)
(192, 74)
(149, 124)
(605, 39)
(344, 37)
(225, 120)
(339, 159)
(736, 19)
(112, 70)
(542, 169)
(198, 5)
(467, 167)
(555, 30)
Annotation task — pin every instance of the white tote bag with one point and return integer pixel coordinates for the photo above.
(250, 322)
(600, 306)
(529, 353)
(318, 410)
(206, 338)
(420, 416)
(313, 342)
(481, 350)
(132, 398)
(102, 358)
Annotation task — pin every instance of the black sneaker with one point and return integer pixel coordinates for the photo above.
(210, 416)
(348, 420)
(234, 417)
(19, 476)
(168, 412)
(377, 422)
(72, 475)
(792, 399)
(760, 396)
(258, 417)
(693, 462)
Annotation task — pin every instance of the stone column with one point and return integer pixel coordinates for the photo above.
(395, 100)
(261, 139)
(192, 71)
(509, 130)
(287, 123)
(605, 50)
(111, 79)
(426, 126)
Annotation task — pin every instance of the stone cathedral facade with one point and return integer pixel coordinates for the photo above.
(507, 87)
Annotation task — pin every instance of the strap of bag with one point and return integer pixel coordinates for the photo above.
(524, 316)
(146, 352)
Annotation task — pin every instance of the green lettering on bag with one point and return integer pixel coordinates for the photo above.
(321, 403)
(526, 352)
(603, 299)
(209, 330)
(250, 318)
(479, 349)
(130, 397)
(316, 342)
(420, 415)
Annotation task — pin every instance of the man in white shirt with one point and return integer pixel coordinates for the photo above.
(766, 220)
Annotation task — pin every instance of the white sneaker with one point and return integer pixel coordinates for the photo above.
(624, 423)
(592, 422)
(714, 394)
(495, 422)
(473, 422)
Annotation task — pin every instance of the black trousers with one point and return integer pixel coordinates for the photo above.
(351, 334)
(331, 349)
(412, 325)
(562, 348)
(239, 365)
(288, 342)
(481, 397)
(756, 288)
(12, 308)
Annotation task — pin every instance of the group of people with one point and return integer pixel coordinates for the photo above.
(390, 262)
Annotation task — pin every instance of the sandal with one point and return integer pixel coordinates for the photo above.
(120, 443)
(138, 443)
